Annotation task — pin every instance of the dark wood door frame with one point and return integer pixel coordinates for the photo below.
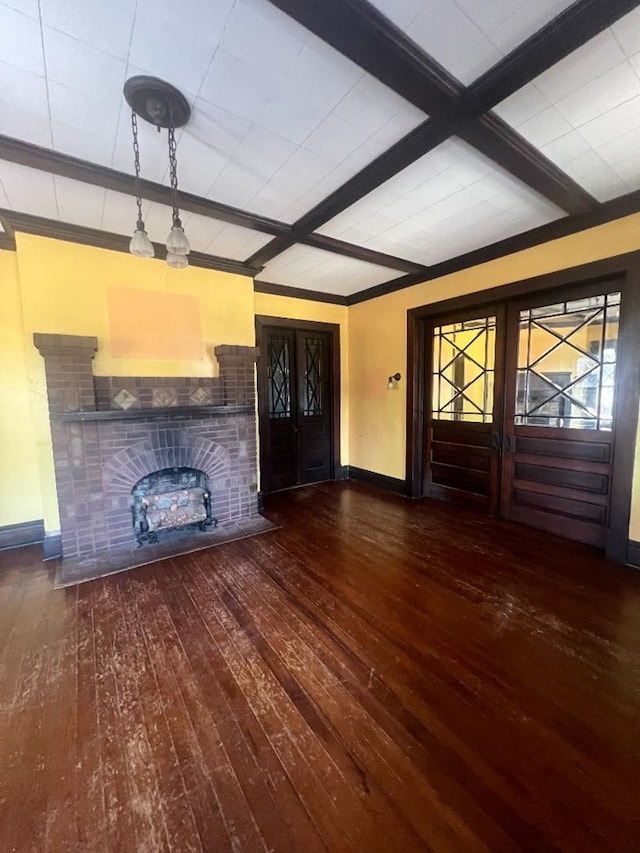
(625, 268)
(333, 330)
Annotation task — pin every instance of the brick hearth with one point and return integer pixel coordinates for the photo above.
(108, 432)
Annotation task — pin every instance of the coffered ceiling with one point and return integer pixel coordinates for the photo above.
(334, 145)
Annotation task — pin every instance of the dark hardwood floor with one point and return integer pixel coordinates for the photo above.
(376, 675)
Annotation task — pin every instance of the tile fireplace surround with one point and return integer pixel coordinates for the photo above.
(109, 432)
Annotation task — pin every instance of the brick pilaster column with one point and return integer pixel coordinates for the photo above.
(237, 372)
(68, 366)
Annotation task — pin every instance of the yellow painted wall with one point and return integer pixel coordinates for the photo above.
(321, 312)
(20, 497)
(51, 286)
(378, 340)
(65, 288)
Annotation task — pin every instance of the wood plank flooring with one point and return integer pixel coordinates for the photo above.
(376, 675)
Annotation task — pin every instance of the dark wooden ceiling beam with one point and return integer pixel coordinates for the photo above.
(32, 156)
(560, 37)
(297, 292)
(366, 37)
(35, 157)
(609, 211)
(407, 150)
(502, 144)
(7, 235)
(43, 227)
(358, 31)
(361, 253)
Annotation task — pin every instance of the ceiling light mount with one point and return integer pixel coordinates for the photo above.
(156, 101)
(162, 105)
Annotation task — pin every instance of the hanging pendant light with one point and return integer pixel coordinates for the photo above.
(140, 245)
(177, 243)
(162, 105)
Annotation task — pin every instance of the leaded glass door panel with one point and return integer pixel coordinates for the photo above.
(560, 411)
(295, 402)
(463, 435)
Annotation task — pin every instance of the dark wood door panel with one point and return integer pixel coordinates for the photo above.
(296, 405)
(569, 507)
(553, 522)
(314, 411)
(557, 475)
(316, 452)
(537, 445)
(559, 429)
(463, 456)
(476, 482)
(473, 435)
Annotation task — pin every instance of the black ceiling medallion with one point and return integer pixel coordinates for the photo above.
(162, 105)
(157, 102)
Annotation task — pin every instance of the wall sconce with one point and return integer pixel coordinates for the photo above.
(392, 382)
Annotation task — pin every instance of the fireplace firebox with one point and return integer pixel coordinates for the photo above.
(168, 500)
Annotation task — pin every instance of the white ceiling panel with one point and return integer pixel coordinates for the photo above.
(468, 37)
(105, 26)
(80, 143)
(448, 202)
(119, 214)
(23, 104)
(315, 269)
(233, 241)
(28, 190)
(584, 113)
(27, 7)
(78, 203)
(62, 199)
(21, 41)
(279, 118)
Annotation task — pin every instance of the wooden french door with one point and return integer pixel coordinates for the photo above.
(463, 426)
(521, 409)
(295, 403)
(559, 411)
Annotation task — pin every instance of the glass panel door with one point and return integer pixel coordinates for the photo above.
(561, 375)
(463, 424)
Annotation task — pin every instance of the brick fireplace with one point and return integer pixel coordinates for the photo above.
(110, 432)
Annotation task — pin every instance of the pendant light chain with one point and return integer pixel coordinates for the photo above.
(136, 160)
(177, 244)
(173, 172)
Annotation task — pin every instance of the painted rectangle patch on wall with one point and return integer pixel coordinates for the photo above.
(152, 324)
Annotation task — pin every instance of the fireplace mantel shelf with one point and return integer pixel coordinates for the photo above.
(145, 414)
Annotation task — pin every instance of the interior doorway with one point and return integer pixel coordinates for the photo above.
(298, 402)
(526, 407)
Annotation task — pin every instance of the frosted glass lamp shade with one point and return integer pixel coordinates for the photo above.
(140, 245)
(177, 242)
(177, 262)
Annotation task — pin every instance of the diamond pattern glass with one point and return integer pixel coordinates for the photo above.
(463, 371)
(312, 377)
(567, 363)
(278, 378)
